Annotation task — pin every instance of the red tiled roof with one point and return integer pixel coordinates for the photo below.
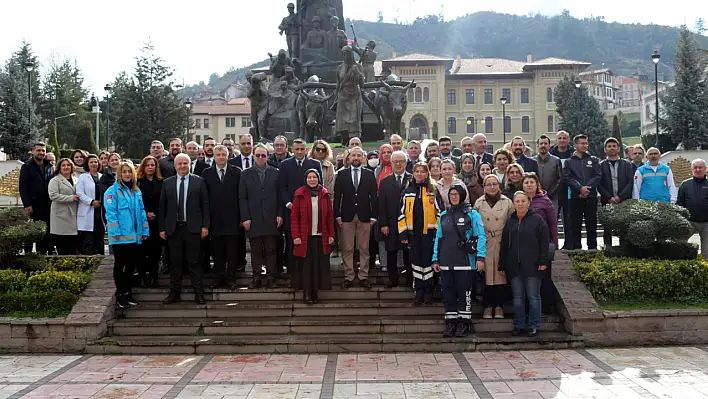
(419, 57)
(242, 107)
(486, 66)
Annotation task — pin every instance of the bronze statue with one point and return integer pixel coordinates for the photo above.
(291, 27)
(316, 37)
(335, 40)
(290, 79)
(367, 57)
(350, 79)
(259, 104)
(279, 63)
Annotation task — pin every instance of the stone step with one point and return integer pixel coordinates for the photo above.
(276, 294)
(328, 343)
(306, 325)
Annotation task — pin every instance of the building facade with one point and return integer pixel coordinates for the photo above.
(460, 97)
(628, 92)
(648, 108)
(600, 85)
(220, 121)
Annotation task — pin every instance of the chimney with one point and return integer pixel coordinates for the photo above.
(457, 64)
(529, 58)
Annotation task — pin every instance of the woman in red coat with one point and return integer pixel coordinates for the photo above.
(312, 222)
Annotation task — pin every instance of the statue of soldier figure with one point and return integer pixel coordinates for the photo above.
(291, 27)
(259, 104)
(335, 40)
(350, 79)
(279, 64)
(367, 57)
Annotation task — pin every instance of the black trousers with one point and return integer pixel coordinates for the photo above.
(124, 262)
(457, 289)
(184, 251)
(263, 254)
(225, 249)
(152, 250)
(207, 251)
(564, 211)
(289, 257)
(241, 250)
(66, 245)
(548, 291)
(92, 242)
(495, 295)
(392, 266)
(421, 253)
(584, 209)
(280, 261)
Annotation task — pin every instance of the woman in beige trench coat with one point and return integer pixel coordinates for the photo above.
(495, 210)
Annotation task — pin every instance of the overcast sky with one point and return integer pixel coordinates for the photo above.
(201, 37)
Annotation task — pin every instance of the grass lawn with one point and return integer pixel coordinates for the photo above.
(38, 315)
(651, 305)
(631, 140)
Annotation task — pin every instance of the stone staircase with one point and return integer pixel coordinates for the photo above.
(275, 321)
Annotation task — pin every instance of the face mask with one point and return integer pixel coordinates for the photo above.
(373, 162)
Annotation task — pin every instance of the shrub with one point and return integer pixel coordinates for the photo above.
(649, 227)
(73, 263)
(73, 282)
(16, 231)
(12, 280)
(32, 302)
(628, 279)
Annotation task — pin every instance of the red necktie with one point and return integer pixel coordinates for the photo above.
(248, 164)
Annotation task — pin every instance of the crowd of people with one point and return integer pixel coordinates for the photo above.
(450, 222)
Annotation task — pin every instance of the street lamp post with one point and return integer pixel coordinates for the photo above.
(96, 109)
(655, 58)
(56, 130)
(29, 66)
(108, 88)
(503, 103)
(578, 84)
(188, 105)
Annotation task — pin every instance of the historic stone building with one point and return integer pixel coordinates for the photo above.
(459, 97)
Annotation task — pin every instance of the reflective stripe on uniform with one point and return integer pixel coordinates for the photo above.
(455, 268)
(450, 315)
(465, 315)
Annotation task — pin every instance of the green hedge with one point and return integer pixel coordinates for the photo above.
(629, 279)
(35, 263)
(12, 280)
(51, 302)
(16, 231)
(73, 282)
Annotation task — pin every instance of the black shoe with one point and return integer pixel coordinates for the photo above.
(220, 286)
(172, 298)
(199, 299)
(347, 285)
(315, 298)
(428, 298)
(533, 332)
(131, 300)
(365, 284)
(463, 329)
(255, 284)
(306, 299)
(153, 281)
(391, 284)
(270, 284)
(450, 327)
(516, 332)
(122, 302)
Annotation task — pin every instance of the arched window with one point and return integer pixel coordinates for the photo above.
(451, 125)
(410, 96)
(470, 124)
(418, 95)
(488, 125)
(549, 95)
(426, 94)
(525, 124)
(550, 124)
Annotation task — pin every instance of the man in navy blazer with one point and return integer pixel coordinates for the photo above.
(292, 177)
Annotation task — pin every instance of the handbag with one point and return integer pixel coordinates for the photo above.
(551, 251)
(469, 243)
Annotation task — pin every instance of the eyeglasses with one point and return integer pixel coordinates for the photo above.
(320, 149)
(260, 155)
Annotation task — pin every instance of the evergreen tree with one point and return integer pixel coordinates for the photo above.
(617, 131)
(16, 132)
(684, 112)
(84, 138)
(579, 113)
(54, 143)
(144, 106)
(64, 93)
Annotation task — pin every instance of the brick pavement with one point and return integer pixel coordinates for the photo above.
(665, 372)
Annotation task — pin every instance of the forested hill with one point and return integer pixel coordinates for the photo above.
(624, 48)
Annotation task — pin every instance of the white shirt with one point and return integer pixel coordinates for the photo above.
(358, 176)
(209, 161)
(186, 191)
(673, 191)
(243, 161)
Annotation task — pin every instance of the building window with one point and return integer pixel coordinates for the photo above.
(524, 96)
(410, 96)
(470, 125)
(647, 112)
(451, 125)
(451, 97)
(197, 123)
(230, 122)
(525, 124)
(198, 139)
(488, 94)
(549, 95)
(426, 94)
(206, 123)
(488, 125)
(507, 124)
(507, 93)
(245, 121)
(469, 96)
(231, 136)
(418, 95)
(490, 148)
(550, 123)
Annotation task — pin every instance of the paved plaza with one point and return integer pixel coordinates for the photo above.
(666, 372)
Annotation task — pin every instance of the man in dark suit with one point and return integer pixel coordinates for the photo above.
(390, 191)
(446, 152)
(616, 182)
(290, 178)
(196, 166)
(35, 174)
(167, 164)
(243, 161)
(280, 154)
(262, 215)
(478, 146)
(184, 222)
(413, 152)
(222, 182)
(356, 210)
(518, 146)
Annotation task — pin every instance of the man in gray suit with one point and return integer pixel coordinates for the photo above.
(184, 222)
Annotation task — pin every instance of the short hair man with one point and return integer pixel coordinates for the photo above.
(616, 183)
(582, 174)
(396, 142)
(693, 195)
(34, 178)
(518, 147)
(654, 181)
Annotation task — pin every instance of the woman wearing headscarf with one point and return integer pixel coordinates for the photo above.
(468, 173)
(89, 221)
(312, 220)
(459, 253)
(524, 258)
(495, 210)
